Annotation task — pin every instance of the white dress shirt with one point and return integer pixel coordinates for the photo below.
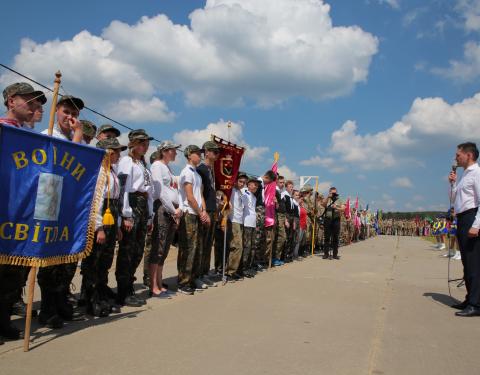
(236, 207)
(467, 192)
(138, 179)
(249, 213)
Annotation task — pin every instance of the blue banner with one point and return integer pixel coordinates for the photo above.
(50, 190)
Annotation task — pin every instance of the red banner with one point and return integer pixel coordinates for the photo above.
(227, 165)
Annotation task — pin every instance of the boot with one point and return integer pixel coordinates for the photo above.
(65, 308)
(48, 314)
(97, 306)
(7, 329)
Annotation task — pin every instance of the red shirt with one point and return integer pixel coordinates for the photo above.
(9, 121)
(303, 218)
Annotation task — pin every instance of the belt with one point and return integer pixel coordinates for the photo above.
(140, 194)
(467, 212)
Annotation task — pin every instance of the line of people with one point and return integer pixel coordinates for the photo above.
(267, 221)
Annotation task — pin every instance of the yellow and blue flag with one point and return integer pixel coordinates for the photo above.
(50, 190)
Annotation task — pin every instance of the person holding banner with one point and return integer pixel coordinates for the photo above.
(95, 267)
(137, 212)
(54, 281)
(21, 101)
(167, 215)
(192, 205)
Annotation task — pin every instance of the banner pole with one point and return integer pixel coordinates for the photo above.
(56, 88)
(28, 320)
(314, 215)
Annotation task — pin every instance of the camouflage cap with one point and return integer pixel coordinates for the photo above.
(191, 149)
(89, 128)
(306, 188)
(242, 175)
(210, 146)
(108, 127)
(111, 143)
(154, 156)
(73, 101)
(139, 135)
(167, 145)
(23, 88)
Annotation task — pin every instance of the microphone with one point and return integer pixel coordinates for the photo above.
(454, 166)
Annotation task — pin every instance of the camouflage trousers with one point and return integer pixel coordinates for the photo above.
(131, 247)
(164, 228)
(189, 243)
(56, 278)
(259, 244)
(235, 247)
(280, 236)
(248, 256)
(269, 241)
(95, 267)
(146, 257)
(203, 256)
(218, 245)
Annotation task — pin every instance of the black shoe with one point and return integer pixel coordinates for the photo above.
(19, 308)
(336, 257)
(11, 332)
(115, 309)
(230, 279)
(469, 311)
(325, 256)
(187, 290)
(237, 276)
(460, 306)
(132, 301)
(1, 341)
(52, 321)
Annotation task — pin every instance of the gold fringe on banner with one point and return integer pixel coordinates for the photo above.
(62, 259)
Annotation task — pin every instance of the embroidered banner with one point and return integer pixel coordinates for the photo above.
(227, 165)
(50, 192)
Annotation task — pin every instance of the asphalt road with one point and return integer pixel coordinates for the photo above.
(382, 309)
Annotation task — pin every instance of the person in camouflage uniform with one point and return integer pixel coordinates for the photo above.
(137, 212)
(309, 207)
(95, 267)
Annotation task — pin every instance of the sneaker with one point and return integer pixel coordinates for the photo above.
(162, 295)
(277, 262)
(186, 290)
(200, 285)
(132, 301)
(442, 247)
(208, 282)
(457, 256)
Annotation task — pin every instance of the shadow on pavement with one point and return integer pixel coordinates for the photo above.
(444, 299)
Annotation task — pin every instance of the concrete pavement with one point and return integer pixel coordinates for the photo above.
(382, 309)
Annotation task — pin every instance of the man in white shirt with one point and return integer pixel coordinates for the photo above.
(192, 205)
(235, 230)
(466, 194)
(249, 225)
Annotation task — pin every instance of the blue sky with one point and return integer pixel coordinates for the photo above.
(370, 95)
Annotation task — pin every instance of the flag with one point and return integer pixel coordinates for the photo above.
(269, 201)
(227, 165)
(356, 204)
(51, 190)
(347, 209)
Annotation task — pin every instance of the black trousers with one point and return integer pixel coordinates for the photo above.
(470, 250)
(332, 234)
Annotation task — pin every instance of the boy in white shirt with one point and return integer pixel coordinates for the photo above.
(249, 225)
(192, 205)
(235, 230)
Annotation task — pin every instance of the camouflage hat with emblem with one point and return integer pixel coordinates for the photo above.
(167, 145)
(72, 101)
(154, 156)
(191, 149)
(23, 88)
(139, 135)
(108, 128)
(89, 128)
(111, 143)
(210, 146)
(306, 188)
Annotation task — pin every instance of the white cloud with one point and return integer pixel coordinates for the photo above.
(135, 110)
(402, 182)
(395, 4)
(233, 51)
(289, 174)
(470, 11)
(412, 16)
(430, 125)
(220, 129)
(466, 70)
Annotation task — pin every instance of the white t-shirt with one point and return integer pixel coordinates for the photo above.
(165, 186)
(138, 179)
(191, 176)
(249, 213)
(236, 207)
(57, 133)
